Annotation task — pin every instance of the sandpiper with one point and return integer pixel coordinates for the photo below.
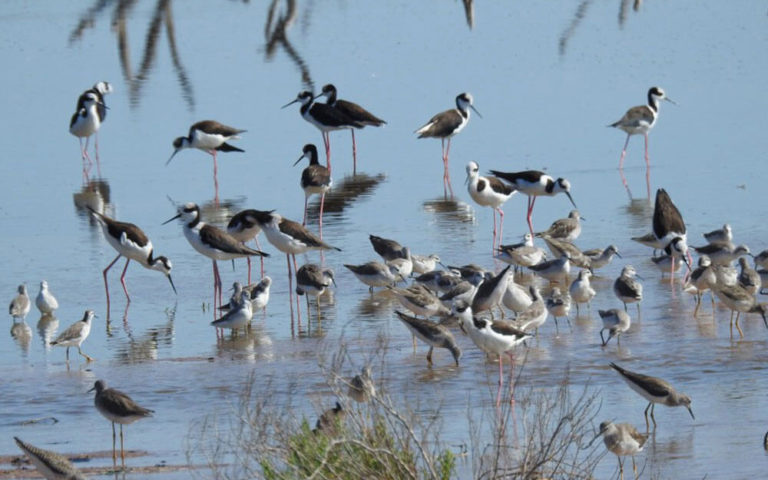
(20, 305)
(598, 257)
(442, 281)
(567, 229)
(386, 248)
(424, 263)
(722, 236)
(117, 407)
(739, 300)
(559, 305)
(373, 274)
(433, 334)
(420, 300)
(723, 254)
(313, 280)
(622, 439)
(361, 388)
(75, 335)
(244, 227)
(464, 290)
(627, 288)
(748, 277)
(50, 465)
(640, 120)
(516, 297)
(616, 321)
(45, 300)
(655, 390)
(524, 255)
(702, 279)
(238, 315)
(445, 125)
(489, 192)
(554, 270)
(560, 247)
(402, 266)
(581, 289)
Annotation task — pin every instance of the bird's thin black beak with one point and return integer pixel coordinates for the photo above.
(297, 161)
(290, 103)
(571, 199)
(618, 254)
(172, 155)
(670, 100)
(691, 412)
(171, 219)
(172, 285)
(478, 113)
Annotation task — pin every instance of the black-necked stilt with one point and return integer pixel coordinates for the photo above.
(739, 301)
(20, 305)
(99, 89)
(616, 321)
(761, 259)
(238, 315)
(433, 334)
(626, 287)
(85, 122)
(640, 120)
(45, 300)
(75, 335)
(721, 236)
(567, 229)
(493, 338)
(599, 257)
(650, 240)
(622, 439)
(489, 192)
(535, 183)
(209, 136)
(131, 243)
(361, 387)
(655, 390)
(354, 112)
(424, 263)
(212, 242)
(581, 289)
(464, 290)
(386, 248)
(516, 296)
(324, 117)
(373, 274)
(490, 293)
(559, 305)
(117, 407)
(244, 227)
(315, 180)
(669, 228)
(445, 125)
(50, 464)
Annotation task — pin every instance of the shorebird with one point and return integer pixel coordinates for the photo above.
(386, 248)
(20, 305)
(567, 229)
(554, 270)
(433, 334)
(402, 266)
(559, 305)
(535, 315)
(463, 290)
(739, 301)
(45, 300)
(258, 293)
(445, 125)
(472, 272)
(133, 244)
(489, 192)
(516, 297)
(238, 315)
(534, 183)
(84, 123)
(373, 274)
(361, 388)
(640, 120)
(419, 300)
(100, 89)
(723, 254)
(75, 335)
(616, 321)
(491, 292)
(522, 255)
(313, 280)
(749, 279)
(761, 259)
(117, 407)
(702, 279)
(669, 228)
(598, 257)
(493, 338)
(441, 281)
(721, 236)
(352, 111)
(650, 240)
(655, 390)
(51, 465)
(315, 180)
(244, 227)
(622, 439)
(627, 288)
(667, 263)
(581, 289)
(562, 247)
(424, 263)
(211, 242)
(325, 117)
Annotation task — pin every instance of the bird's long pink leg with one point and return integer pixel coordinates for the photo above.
(501, 381)
(298, 303)
(215, 178)
(447, 169)
(290, 286)
(501, 226)
(531, 201)
(260, 257)
(623, 153)
(493, 241)
(106, 285)
(354, 152)
(327, 142)
(647, 159)
(122, 279)
(511, 378)
(322, 205)
(304, 222)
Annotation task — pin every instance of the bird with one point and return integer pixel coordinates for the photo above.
(598, 258)
(117, 407)
(84, 123)
(209, 136)
(669, 228)
(238, 316)
(524, 255)
(655, 390)
(622, 439)
(419, 300)
(354, 112)
(739, 301)
(533, 184)
(720, 236)
(402, 266)
(45, 301)
(75, 335)
(491, 292)
(99, 89)
(424, 263)
(748, 277)
(492, 337)
(556, 270)
(650, 240)
(489, 192)
(244, 227)
(723, 254)
(441, 281)
(463, 290)
(386, 248)
(563, 247)
(325, 117)
(313, 279)
(433, 334)
(702, 279)
(20, 305)
(315, 180)
(627, 288)
(581, 289)
(559, 305)
(133, 244)
(535, 315)
(259, 293)
(211, 242)
(330, 421)
(373, 274)
(667, 263)
(640, 120)
(761, 259)
(616, 321)
(516, 297)
(445, 125)
(361, 388)
(567, 229)
(51, 465)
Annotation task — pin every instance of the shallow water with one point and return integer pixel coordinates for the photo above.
(546, 77)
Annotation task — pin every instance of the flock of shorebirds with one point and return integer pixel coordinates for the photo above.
(466, 296)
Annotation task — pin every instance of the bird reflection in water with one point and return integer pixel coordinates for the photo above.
(95, 195)
(581, 13)
(21, 332)
(46, 328)
(344, 193)
(278, 22)
(161, 19)
(252, 345)
(450, 211)
(144, 348)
